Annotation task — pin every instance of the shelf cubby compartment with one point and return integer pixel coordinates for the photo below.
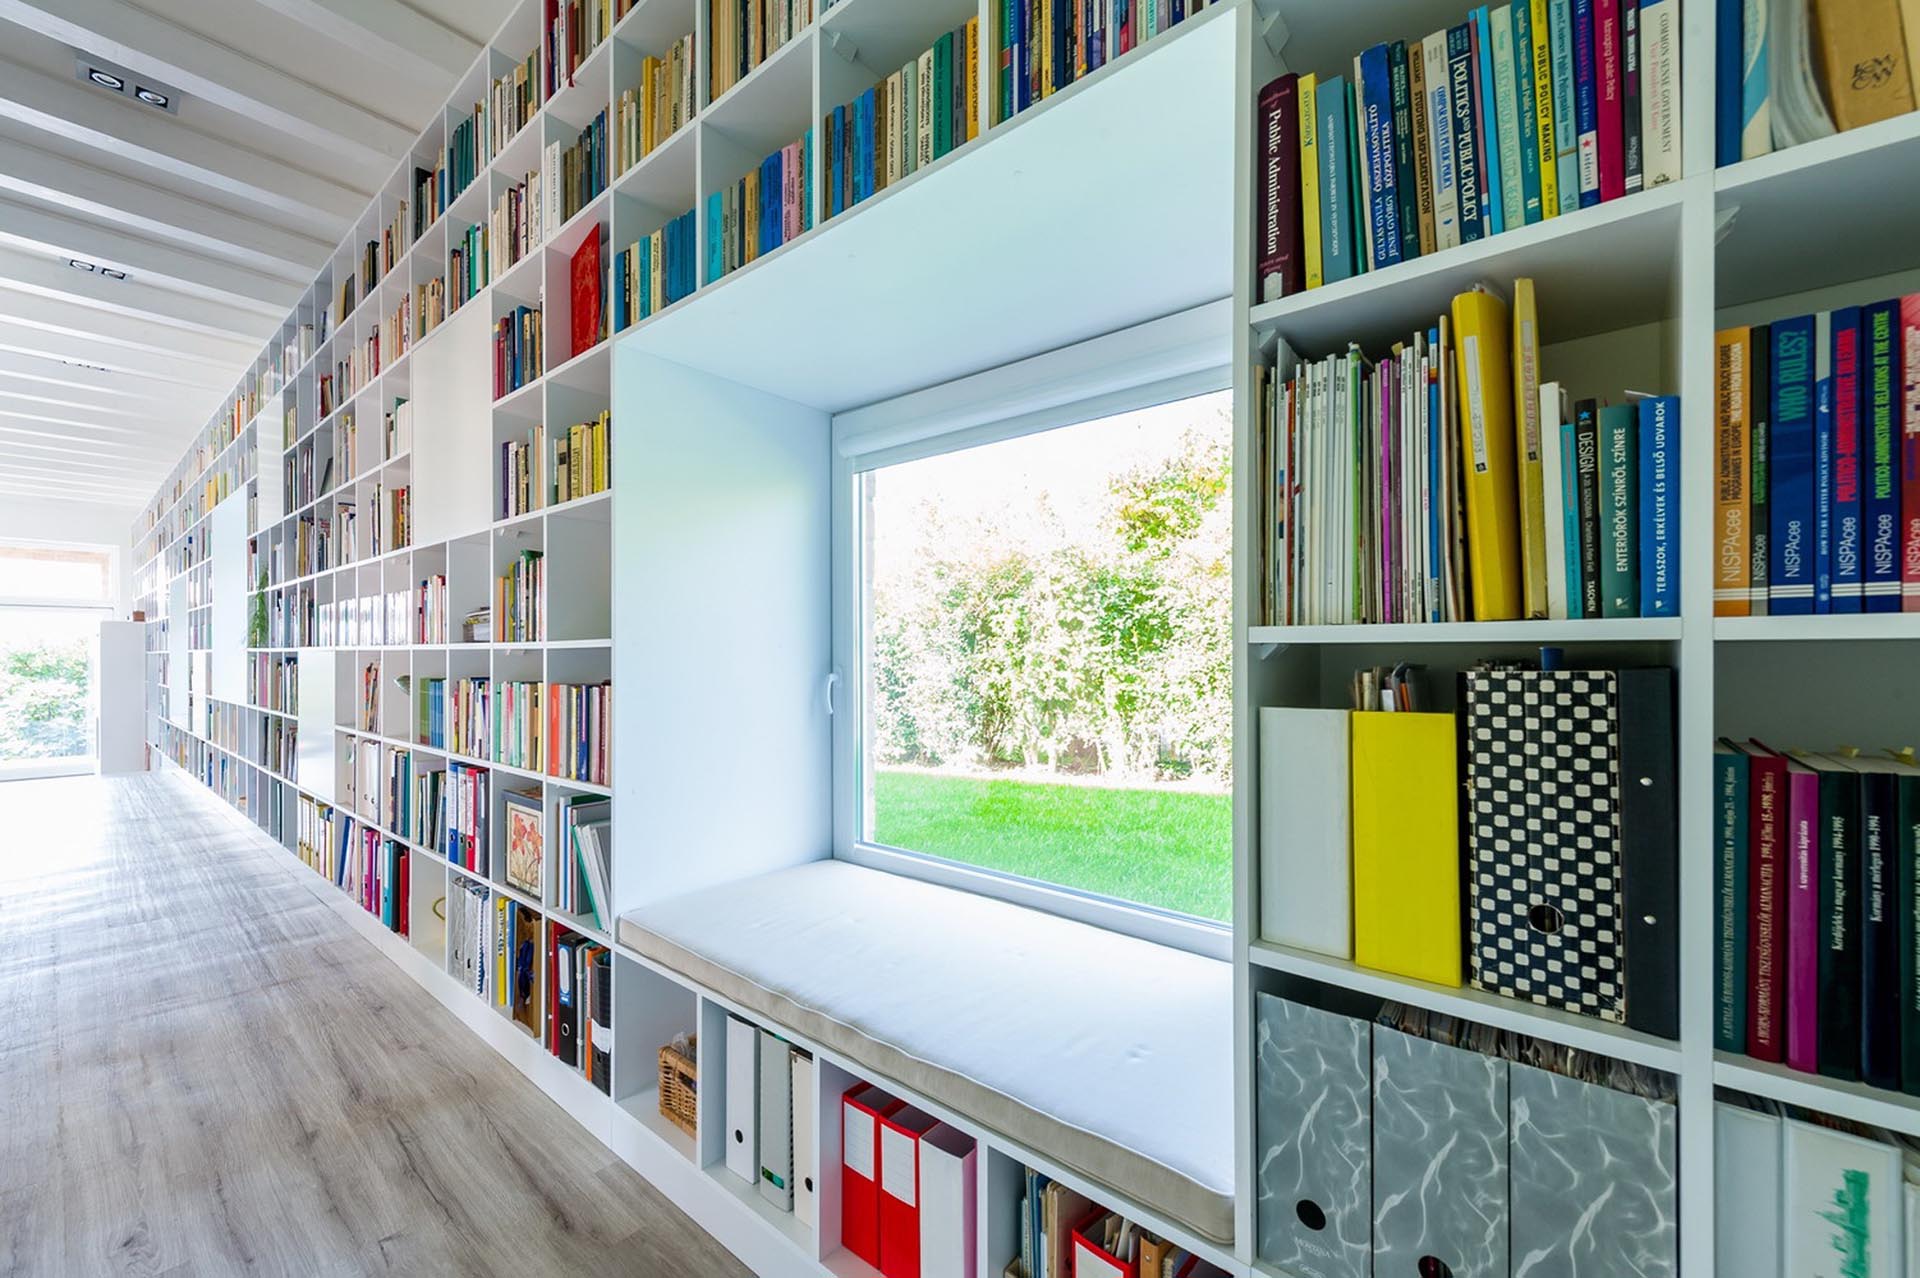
(649, 1010)
(426, 905)
(1865, 695)
(470, 574)
(580, 550)
(714, 1133)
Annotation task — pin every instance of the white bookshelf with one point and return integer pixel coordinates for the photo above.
(733, 389)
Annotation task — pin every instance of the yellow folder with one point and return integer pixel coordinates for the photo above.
(1486, 450)
(1530, 473)
(1310, 180)
(1406, 845)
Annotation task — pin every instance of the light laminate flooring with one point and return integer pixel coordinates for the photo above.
(205, 1071)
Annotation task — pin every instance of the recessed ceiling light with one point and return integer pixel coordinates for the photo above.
(125, 82)
(112, 274)
(79, 265)
(152, 97)
(91, 368)
(106, 79)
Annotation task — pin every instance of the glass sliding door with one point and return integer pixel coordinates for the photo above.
(52, 601)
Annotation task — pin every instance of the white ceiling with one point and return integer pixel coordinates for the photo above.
(291, 113)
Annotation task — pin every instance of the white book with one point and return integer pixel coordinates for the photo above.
(1554, 503)
(1746, 1192)
(1843, 1202)
(948, 1204)
(806, 1195)
(1306, 842)
(743, 1100)
(775, 1121)
(1446, 191)
(1660, 91)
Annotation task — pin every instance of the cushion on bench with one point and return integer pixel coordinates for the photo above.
(1110, 1056)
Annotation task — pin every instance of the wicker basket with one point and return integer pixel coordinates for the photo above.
(679, 1088)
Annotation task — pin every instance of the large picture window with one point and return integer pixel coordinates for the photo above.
(52, 600)
(1047, 656)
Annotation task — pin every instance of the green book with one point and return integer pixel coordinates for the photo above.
(910, 113)
(942, 95)
(1507, 112)
(1619, 511)
(1730, 918)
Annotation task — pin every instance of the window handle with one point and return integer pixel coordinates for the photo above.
(826, 691)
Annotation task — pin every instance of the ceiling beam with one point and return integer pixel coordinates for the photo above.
(154, 365)
(204, 68)
(320, 204)
(120, 455)
(40, 375)
(35, 227)
(400, 38)
(51, 277)
(224, 355)
(151, 210)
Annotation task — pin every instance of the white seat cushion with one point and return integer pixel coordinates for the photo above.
(1110, 1056)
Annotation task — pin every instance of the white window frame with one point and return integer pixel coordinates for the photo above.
(102, 609)
(1173, 358)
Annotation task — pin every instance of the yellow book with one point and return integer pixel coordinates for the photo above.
(501, 944)
(1310, 180)
(1486, 454)
(1543, 142)
(1732, 472)
(1527, 453)
(973, 78)
(1046, 47)
(1406, 846)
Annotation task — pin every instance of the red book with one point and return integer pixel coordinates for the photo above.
(1282, 269)
(589, 282)
(900, 1133)
(1766, 903)
(1910, 453)
(1610, 94)
(862, 1108)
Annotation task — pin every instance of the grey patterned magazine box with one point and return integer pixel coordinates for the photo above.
(1314, 1214)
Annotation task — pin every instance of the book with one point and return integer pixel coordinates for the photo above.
(1539, 30)
(1487, 443)
(1486, 107)
(1587, 468)
(1759, 470)
(1420, 137)
(1308, 113)
(1609, 109)
(1340, 258)
(1730, 916)
(1440, 137)
(1406, 176)
(1504, 123)
(1864, 60)
(1527, 109)
(589, 293)
(1910, 445)
(1566, 129)
(1281, 266)
(1619, 510)
(1632, 158)
(1844, 494)
(1766, 903)
(1380, 174)
(1880, 405)
(1729, 57)
(1463, 92)
(1790, 468)
(526, 840)
(1586, 99)
(1529, 455)
(1658, 497)
(1756, 117)
(1561, 502)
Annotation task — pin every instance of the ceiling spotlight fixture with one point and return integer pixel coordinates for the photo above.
(117, 79)
(79, 265)
(106, 79)
(112, 274)
(152, 97)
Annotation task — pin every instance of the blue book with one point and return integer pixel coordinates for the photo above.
(837, 160)
(1463, 82)
(1376, 131)
(1570, 514)
(1338, 257)
(867, 150)
(1730, 916)
(1566, 131)
(1845, 362)
(1529, 112)
(1727, 37)
(1489, 115)
(1659, 476)
(645, 276)
(1880, 430)
(1586, 109)
(1823, 494)
(1756, 114)
(716, 234)
(1790, 469)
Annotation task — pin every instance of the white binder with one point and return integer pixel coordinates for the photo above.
(947, 1204)
(806, 1198)
(1306, 840)
(776, 1121)
(1841, 1192)
(1746, 1191)
(743, 1098)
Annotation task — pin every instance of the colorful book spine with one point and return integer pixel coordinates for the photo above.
(1586, 100)
(1587, 468)
(1830, 815)
(1376, 118)
(1462, 87)
(1732, 484)
(1760, 471)
(1282, 270)
(1766, 884)
(1570, 519)
(1566, 126)
(1446, 196)
(1487, 123)
(1619, 514)
(1336, 180)
(1756, 112)
(1609, 113)
(1659, 42)
(1528, 110)
(1790, 467)
(1822, 491)
(1881, 396)
(1730, 922)
(1910, 452)
(1727, 61)
(1506, 101)
(1632, 158)
(1406, 179)
(1659, 509)
(1844, 330)
(1876, 813)
(1803, 920)
(1307, 104)
(1540, 34)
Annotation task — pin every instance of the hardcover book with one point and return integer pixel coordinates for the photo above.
(1790, 468)
(526, 840)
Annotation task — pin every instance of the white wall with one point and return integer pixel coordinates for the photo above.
(81, 522)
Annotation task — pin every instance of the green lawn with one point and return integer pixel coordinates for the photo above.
(1172, 849)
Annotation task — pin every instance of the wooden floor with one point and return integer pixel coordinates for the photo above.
(205, 1071)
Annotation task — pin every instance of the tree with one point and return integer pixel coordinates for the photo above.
(43, 700)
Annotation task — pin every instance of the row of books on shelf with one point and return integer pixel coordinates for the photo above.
(469, 264)
(516, 223)
(390, 619)
(1817, 463)
(276, 683)
(465, 817)
(1446, 482)
(429, 305)
(654, 272)
(1064, 1232)
(512, 100)
(517, 343)
(536, 473)
(583, 883)
(1519, 113)
(573, 175)
(656, 108)
(1800, 1192)
(908, 120)
(520, 600)
(276, 744)
(372, 870)
(1793, 71)
(1573, 1164)
(570, 32)
(1815, 911)
(1555, 882)
(763, 210)
(559, 729)
(580, 1004)
(1046, 45)
(745, 33)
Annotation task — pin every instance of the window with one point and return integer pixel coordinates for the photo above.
(1046, 651)
(52, 600)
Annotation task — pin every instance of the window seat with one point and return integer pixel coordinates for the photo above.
(1108, 1055)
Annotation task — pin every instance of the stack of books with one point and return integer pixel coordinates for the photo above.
(655, 272)
(762, 211)
(1046, 45)
(517, 723)
(1815, 911)
(585, 826)
(579, 724)
(905, 122)
(1793, 71)
(1817, 463)
(1522, 112)
(1428, 486)
(657, 107)
(469, 712)
(468, 264)
(517, 341)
